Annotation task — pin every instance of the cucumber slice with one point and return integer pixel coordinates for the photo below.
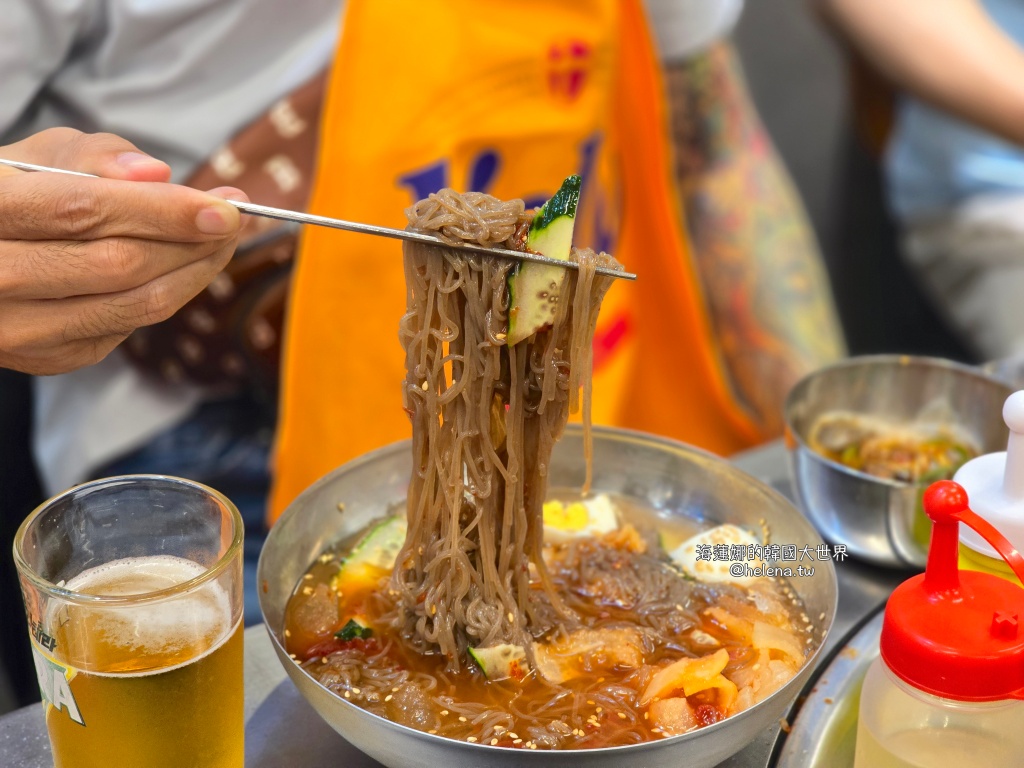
(375, 553)
(354, 628)
(534, 288)
(501, 662)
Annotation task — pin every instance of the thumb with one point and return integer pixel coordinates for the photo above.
(102, 154)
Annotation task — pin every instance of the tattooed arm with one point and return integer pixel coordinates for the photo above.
(767, 291)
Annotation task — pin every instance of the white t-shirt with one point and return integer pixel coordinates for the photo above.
(684, 28)
(178, 78)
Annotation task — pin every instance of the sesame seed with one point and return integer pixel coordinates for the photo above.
(472, 739)
(462, 719)
(646, 715)
(500, 336)
(598, 710)
(323, 659)
(494, 742)
(443, 711)
(389, 697)
(287, 633)
(511, 735)
(347, 695)
(622, 715)
(356, 691)
(395, 689)
(292, 656)
(591, 703)
(532, 745)
(432, 730)
(425, 385)
(518, 741)
(341, 506)
(307, 590)
(308, 576)
(511, 617)
(325, 558)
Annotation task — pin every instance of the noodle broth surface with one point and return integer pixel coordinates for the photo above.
(637, 615)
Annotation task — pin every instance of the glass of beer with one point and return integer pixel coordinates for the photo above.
(133, 590)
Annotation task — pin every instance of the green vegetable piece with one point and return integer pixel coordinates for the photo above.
(564, 203)
(501, 662)
(850, 455)
(353, 630)
(534, 288)
(378, 549)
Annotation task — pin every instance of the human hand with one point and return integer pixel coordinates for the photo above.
(84, 262)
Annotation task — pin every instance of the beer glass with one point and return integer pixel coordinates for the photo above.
(133, 591)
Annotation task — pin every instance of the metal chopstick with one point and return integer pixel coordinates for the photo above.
(350, 226)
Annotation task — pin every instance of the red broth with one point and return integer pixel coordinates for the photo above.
(582, 686)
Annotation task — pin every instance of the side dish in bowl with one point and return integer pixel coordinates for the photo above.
(868, 434)
(909, 453)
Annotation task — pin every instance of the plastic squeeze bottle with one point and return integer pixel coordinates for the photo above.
(948, 687)
(995, 484)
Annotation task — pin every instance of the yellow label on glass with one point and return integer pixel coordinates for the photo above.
(55, 684)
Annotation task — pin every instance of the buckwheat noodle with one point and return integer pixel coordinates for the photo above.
(485, 417)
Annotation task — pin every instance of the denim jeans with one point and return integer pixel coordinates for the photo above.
(224, 444)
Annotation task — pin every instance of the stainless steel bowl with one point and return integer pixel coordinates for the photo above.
(672, 478)
(881, 520)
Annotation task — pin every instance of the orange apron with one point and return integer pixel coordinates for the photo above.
(507, 99)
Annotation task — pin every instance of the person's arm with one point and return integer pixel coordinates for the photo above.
(763, 277)
(947, 52)
(84, 262)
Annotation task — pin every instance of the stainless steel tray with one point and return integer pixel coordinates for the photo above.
(824, 732)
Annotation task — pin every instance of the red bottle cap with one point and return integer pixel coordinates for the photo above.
(951, 633)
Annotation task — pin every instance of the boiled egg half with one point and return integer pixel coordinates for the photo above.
(708, 569)
(577, 519)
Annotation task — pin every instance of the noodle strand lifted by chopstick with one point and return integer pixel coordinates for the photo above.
(485, 419)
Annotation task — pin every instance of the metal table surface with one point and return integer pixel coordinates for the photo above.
(283, 730)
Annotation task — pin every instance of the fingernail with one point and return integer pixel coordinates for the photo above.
(230, 193)
(216, 220)
(137, 159)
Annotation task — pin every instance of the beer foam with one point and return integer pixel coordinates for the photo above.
(135, 576)
(170, 629)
